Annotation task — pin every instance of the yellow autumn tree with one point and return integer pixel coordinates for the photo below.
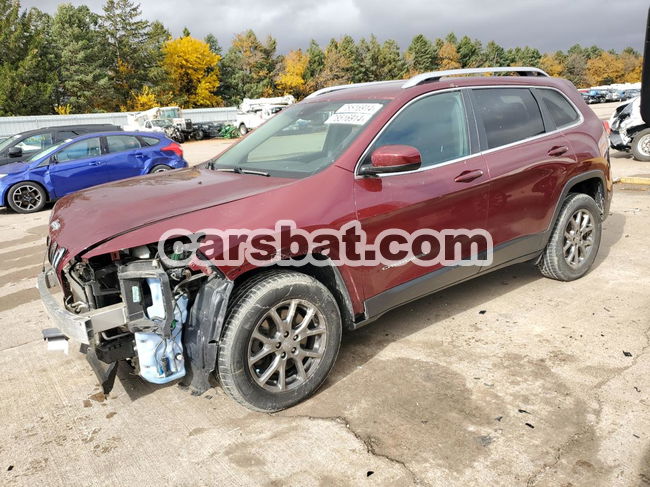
(632, 66)
(551, 65)
(142, 100)
(193, 71)
(448, 57)
(292, 78)
(605, 69)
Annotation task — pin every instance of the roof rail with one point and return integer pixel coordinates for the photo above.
(437, 75)
(329, 89)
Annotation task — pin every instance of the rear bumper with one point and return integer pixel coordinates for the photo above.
(78, 327)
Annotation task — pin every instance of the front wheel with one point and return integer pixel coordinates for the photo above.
(575, 240)
(26, 197)
(641, 145)
(243, 130)
(280, 340)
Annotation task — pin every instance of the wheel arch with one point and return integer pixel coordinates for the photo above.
(326, 273)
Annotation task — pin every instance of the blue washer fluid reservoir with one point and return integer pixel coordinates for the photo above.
(161, 360)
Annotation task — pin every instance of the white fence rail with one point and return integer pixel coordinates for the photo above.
(14, 125)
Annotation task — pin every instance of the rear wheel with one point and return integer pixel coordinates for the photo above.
(641, 145)
(575, 240)
(160, 168)
(26, 197)
(243, 130)
(280, 340)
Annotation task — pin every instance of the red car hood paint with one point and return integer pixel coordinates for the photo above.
(97, 214)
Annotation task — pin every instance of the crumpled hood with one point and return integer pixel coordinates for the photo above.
(14, 168)
(89, 217)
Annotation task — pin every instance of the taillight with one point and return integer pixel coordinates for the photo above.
(175, 148)
(608, 129)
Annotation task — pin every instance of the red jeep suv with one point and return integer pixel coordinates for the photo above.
(148, 279)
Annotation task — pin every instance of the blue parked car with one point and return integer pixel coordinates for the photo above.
(82, 162)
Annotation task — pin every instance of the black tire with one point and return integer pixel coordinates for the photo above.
(641, 145)
(26, 197)
(555, 263)
(160, 168)
(249, 312)
(243, 130)
(199, 135)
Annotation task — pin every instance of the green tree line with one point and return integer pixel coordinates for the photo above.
(78, 61)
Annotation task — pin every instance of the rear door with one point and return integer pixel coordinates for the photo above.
(449, 191)
(78, 166)
(526, 157)
(125, 157)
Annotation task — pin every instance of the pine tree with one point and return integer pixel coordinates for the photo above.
(126, 35)
(420, 55)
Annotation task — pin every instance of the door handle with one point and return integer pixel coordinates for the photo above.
(558, 150)
(94, 163)
(468, 176)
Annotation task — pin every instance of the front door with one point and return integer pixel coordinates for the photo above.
(78, 166)
(448, 192)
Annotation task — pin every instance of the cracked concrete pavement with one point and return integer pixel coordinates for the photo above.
(509, 379)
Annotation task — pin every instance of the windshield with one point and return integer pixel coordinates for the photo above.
(300, 140)
(7, 142)
(45, 152)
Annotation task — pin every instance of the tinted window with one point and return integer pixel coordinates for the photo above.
(80, 150)
(149, 141)
(66, 134)
(558, 107)
(508, 114)
(119, 143)
(35, 142)
(434, 125)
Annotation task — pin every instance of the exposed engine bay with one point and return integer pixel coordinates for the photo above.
(156, 334)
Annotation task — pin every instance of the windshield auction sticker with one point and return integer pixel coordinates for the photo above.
(354, 113)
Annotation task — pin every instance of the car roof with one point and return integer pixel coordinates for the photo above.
(434, 81)
(67, 127)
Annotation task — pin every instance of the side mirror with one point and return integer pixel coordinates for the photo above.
(15, 152)
(391, 159)
(53, 159)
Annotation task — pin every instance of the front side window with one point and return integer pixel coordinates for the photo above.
(35, 142)
(558, 107)
(508, 114)
(120, 143)
(436, 126)
(80, 150)
(300, 140)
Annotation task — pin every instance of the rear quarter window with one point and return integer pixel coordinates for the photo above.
(558, 107)
(149, 141)
(508, 115)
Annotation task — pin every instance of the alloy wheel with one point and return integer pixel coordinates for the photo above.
(287, 345)
(27, 197)
(578, 238)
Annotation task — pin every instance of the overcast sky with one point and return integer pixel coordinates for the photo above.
(545, 24)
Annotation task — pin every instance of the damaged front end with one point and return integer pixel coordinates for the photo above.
(163, 320)
(624, 124)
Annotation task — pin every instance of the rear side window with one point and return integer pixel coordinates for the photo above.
(558, 107)
(434, 125)
(120, 143)
(508, 114)
(149, 141)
